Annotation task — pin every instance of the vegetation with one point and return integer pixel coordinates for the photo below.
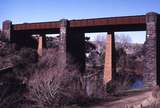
(38, 82)
(51, 88)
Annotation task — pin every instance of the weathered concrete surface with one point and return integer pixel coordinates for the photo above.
(62, 54)
(7, 27)
(40, 46)
(150, 51)
(109, 65)
(108, 60)
(71, 47)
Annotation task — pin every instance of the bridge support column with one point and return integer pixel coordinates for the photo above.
(150, 48)
(72, 47)
(158, 51)
(7, 29)
(43, 35)
(41, 44)
(109, 66)
(64, 32)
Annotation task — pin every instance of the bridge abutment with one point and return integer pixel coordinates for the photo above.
(7, 29)
(150, 51)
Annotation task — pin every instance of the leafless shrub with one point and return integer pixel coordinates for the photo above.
(50, 87)
(11, 95)
(116, 88)
(2, 36)
(24, 62)
(12, 85)
(123, 40)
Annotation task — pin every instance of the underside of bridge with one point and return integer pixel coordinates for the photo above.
(72, 40)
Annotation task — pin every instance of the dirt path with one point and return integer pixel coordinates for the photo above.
(136, 99)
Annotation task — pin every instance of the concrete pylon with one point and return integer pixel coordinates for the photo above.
(40, 45)
(62, 54)
(109, 66)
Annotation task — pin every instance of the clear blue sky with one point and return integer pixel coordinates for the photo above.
(20, 11)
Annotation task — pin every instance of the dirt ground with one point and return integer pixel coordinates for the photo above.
(132, 100)
(136, 99)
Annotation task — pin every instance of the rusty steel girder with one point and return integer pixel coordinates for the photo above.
(127, 20)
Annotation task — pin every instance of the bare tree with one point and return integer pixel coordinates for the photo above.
(123, 40)
(100, 39)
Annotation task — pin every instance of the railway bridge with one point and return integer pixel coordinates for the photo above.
(72, 40)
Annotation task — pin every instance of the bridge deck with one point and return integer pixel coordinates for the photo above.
(97, 22)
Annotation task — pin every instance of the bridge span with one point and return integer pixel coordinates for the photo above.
(73, 41)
